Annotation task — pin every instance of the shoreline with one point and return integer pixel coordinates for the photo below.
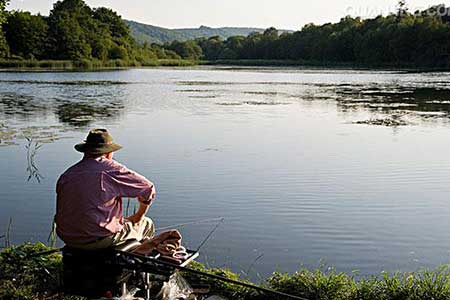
(32, 278)
(88, 65)
(324, 65)
(115, 65)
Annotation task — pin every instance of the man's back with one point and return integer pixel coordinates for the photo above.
(89, 199)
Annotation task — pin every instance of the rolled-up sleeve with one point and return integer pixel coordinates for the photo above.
(131, 184)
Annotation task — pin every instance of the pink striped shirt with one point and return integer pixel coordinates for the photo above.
(89, 198)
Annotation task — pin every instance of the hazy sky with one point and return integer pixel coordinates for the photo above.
(283, 14)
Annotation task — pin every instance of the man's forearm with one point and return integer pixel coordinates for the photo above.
(143, 209)
(140, 214)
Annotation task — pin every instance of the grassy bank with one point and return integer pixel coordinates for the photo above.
(39, 277)
(86, 64)
(322, 64)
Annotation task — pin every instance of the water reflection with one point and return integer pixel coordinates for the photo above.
(75, 104)
(81, 114)
(21, 105)
(395, 100)
(71, 82)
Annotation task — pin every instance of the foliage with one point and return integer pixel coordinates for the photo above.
(24, 278)
(4, 49)
(75, 32)
(330, 285)
(419, 39)
(3, 4)
(26, 34)
(187, 50)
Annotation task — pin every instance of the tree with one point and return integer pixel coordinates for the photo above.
(4, 49)
(402, 8)
(232, 48)
(69, 21)
(118, 52)
(116, 26)
(26, 34)
(211, 47)
(187, 50)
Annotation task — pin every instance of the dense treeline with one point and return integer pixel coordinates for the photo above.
(419, 39)
(73, 31)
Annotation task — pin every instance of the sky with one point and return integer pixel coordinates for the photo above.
(282, 14)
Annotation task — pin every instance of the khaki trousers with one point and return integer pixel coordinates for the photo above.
(145, 229)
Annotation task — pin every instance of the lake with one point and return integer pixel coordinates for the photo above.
(310, 168)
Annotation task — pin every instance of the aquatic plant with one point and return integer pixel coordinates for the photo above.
(32, 169)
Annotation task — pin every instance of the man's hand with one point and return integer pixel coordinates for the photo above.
(135, 219)
(139, 215)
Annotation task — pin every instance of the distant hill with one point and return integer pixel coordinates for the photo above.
(153, 34)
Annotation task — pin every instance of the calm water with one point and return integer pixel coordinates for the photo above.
(299, 163)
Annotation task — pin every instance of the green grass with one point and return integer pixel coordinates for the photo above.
(317, 64)
(93, 64)
(39, 277)
(88, 64)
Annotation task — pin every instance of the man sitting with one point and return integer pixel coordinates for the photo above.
(89, 198)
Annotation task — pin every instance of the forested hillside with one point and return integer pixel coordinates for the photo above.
(153, 34)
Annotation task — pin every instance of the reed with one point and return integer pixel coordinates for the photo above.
(91, 64)
(7, 236)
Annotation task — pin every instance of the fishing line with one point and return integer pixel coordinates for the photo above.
(162, 228)
(189, 223)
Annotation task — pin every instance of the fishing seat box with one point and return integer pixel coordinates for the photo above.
(100, 273)
(92, 273)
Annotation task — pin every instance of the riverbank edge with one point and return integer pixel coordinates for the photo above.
(324, 65)
(7, 65)
(89, 65)
(39, 277)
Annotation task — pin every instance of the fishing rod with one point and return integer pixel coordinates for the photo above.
(33, 255)
(213, 276)
(159, 229)
(189, 270)
(210, 234)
